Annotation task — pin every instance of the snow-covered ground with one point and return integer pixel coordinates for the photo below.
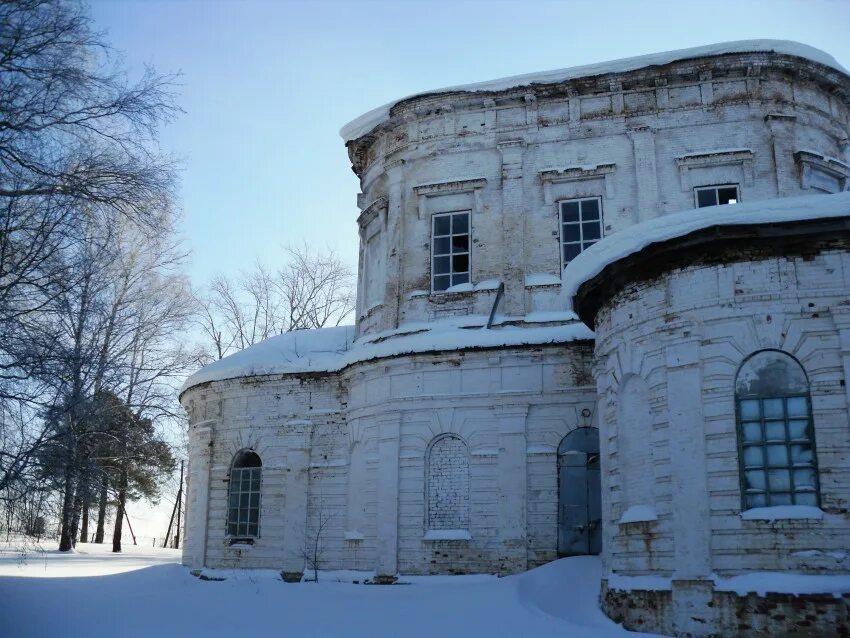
(146, 592)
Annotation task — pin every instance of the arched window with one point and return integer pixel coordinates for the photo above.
(243, 513)
(775, 432)
(448, 483)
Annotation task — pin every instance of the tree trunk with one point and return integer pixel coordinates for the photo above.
(84, 523)
(75, 516)
(101, 511)
(66, 541)
(119, 514)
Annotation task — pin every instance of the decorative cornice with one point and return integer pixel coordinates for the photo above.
(372, 210)
(551, 176)
(454, 186)
(742, 157)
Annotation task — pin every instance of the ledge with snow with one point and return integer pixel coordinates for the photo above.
(447, 535)
(783, 512)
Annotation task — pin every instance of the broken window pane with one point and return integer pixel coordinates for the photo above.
(717, 195)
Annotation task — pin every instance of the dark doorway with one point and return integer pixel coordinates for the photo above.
(579, 494)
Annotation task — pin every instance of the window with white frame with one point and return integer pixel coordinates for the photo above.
(449, 249)
(243, 512)
(717, 195)
(581, 226)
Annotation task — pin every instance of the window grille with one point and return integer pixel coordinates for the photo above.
(243, 513)
(777, 456)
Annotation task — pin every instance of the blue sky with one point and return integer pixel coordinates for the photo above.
(267, 85)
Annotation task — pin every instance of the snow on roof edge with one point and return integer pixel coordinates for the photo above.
(370, 120)
(591, 262)
(272, 356)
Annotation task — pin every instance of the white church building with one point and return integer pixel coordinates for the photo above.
(600, 310)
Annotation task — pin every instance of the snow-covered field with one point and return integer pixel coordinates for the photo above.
(146, 592)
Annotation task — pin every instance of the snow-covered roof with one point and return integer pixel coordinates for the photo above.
(333, 349)
(369, 121)
(300, 351)
(629, 241)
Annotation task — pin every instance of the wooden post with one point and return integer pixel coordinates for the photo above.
(127, 516)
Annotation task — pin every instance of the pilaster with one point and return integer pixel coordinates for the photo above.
(646, 171)
(393, 244)
(781, 127)
(296, 444)
(513, 227)
(513, 484)
(389, 430)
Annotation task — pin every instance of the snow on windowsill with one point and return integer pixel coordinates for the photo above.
(447, 535)
(467, 287)
(541, 279)
(354, 535)
(488, 284)
(783, 512)
(639, 514)
(629, 241)
(413, 294)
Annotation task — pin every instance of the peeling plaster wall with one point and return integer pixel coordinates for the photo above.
(510, 407)
(641, 141)
(685, 334)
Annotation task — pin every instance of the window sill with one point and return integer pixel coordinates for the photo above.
(353, 535)
(638, 514)
(240, 542)
(783, 513)
(487, 285)
(447, 535)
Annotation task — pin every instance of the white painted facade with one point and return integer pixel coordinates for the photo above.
(350, 435)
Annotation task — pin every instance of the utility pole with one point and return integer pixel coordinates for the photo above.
(179, 509)
(176, 508)
(127, 516)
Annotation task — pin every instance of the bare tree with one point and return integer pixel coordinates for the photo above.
(318, 289)
(311, 290)
(315, 537)
(79, 167)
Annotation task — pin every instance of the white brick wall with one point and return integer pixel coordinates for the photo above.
(354, 445)
(492, 156)
(794, 304)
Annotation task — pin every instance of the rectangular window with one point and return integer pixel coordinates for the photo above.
(581, 226)
(717, 195)
(449, 250)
